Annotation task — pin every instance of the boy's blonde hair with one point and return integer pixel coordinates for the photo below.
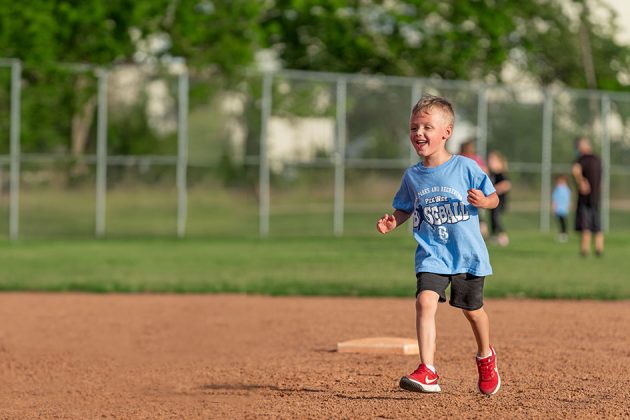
(430, 102)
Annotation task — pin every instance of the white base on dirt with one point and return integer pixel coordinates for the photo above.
(382, 345)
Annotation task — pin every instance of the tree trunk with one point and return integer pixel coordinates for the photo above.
(81, 124)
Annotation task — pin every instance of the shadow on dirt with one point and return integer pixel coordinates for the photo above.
(255, 387)
(275, 388)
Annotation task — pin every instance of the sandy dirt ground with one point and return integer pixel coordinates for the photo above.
(225, 356)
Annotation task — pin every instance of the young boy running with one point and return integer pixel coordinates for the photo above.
(443, 193)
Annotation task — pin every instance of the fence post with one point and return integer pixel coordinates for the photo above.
(263, 192)
(416, 93)
(605, 163)
(545, 175)
(101, 152)
(182, 152)
(482, 122)
(14, 173)
(340, 157)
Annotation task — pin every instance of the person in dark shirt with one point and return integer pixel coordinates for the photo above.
(497, 164)
(469, 150)
(587, 172)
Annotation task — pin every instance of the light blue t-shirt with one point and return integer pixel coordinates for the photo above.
(561, 198)
(445, 225)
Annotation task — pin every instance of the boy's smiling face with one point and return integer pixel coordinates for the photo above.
(428, 131)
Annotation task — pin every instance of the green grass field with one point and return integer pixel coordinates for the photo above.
(222, 252)
(534, 265)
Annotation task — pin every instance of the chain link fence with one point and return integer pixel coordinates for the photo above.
(284, 153)
(356, 129)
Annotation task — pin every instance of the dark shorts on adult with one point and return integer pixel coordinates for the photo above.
(587, 218)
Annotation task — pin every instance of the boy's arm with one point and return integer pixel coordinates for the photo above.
(478, 199)
(389, 222)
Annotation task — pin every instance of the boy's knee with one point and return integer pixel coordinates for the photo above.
(473, 315)
(426, 300)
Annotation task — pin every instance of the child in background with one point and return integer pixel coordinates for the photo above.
(497, 165)
(561, 201)
(469, 150)
(443, 194)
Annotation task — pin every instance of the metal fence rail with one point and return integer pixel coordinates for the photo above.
(340, 161)
(344, 97)
(14, 210)
(101, 159)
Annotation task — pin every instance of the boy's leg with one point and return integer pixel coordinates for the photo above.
(467, 294)
(489, 379)
(480, 324)
(426, 309)
(431, 289)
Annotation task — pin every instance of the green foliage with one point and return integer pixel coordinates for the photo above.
(50, 99)
(453, 39)
(450, 39)
(129, 133)
(5, 81)
(44, 33)
(514, 129)
(232, 173)
(552, 50)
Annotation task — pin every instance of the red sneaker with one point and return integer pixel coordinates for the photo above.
(421, 380)
(489, 379)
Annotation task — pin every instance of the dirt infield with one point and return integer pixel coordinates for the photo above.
(223, 356)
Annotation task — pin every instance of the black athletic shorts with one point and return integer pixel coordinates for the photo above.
(466, 289)
(587, 218)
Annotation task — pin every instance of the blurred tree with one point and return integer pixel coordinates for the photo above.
(454, 39)
(44, 32)
(577, 50)
(206, 33)
(57, 103)
(401, 38)
(544, 41)
(217, 38)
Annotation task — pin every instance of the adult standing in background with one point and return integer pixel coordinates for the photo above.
(587, 172)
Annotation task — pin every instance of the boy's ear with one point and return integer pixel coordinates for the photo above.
(449, 131)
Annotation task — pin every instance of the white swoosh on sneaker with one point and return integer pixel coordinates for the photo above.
(429, 381)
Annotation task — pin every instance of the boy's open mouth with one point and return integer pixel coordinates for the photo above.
(421, 142)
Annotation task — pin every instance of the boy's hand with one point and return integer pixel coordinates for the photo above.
(480, 200)
(385, 224)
